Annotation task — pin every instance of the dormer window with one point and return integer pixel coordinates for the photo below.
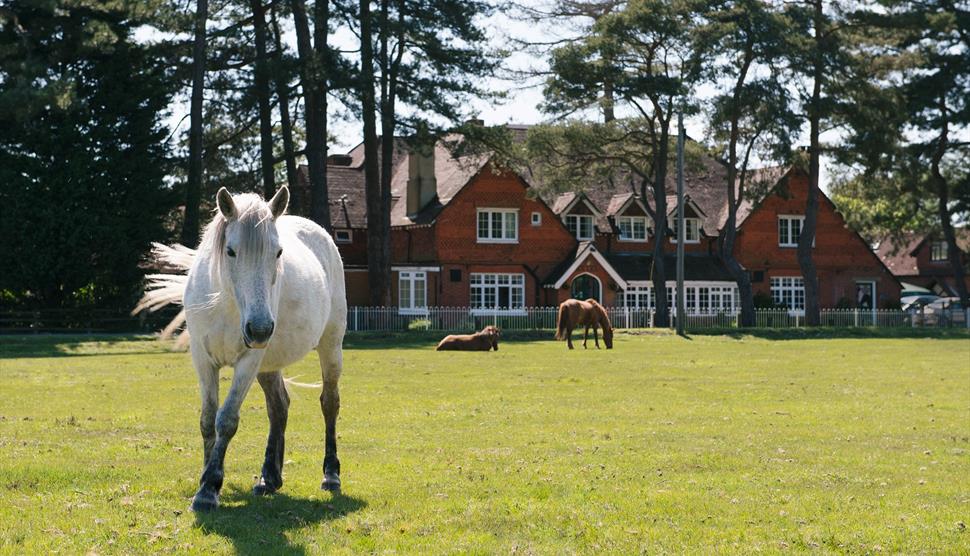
(342, 236)
(632, 228)
(939, 251)
(692, 230)
(580, 225)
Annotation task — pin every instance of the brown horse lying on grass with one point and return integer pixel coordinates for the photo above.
(574, 313)
(479, 341)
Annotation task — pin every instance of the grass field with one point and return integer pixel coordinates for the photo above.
(664, 444)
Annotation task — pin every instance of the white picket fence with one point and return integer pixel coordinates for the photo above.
(453, 319)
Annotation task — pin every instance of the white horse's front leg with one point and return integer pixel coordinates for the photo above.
(227, 421)
(208, 372)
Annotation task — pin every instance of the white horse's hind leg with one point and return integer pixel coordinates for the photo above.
(331, 365)
(209, 389)
(227, 421)
(277, 407)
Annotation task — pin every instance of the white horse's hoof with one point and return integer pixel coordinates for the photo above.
(331, 482)
(205, 502)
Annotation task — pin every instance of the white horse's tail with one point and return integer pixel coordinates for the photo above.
(163, 290)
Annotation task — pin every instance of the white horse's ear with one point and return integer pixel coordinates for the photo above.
(225, 203)
(279, 202)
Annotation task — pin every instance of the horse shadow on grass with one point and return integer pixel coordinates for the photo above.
(258, 525)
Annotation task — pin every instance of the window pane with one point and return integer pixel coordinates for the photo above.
(796, 229)
(510, 225)
(404, 291)
(571, 225)
(420, 290)
(496, 225)
(482, 225)
(782, 231)
(639, 229)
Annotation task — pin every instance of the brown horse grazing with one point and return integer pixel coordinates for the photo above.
(574, 313)
(479, 341)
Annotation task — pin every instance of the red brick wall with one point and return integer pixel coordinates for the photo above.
(841, 256)
(538, 251)
(354, 253)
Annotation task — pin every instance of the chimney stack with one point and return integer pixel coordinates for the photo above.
(422, 184)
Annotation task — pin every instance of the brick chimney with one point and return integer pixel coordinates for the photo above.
(422, 185)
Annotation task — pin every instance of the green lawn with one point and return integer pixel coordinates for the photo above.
(664, 444)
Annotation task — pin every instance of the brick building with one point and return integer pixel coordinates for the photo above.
(466, 233)
(923, 260)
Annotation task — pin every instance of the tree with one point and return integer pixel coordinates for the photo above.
(193, 186)
(83, 161)
(429, 56)
(740, 43)
(823, 63)
(644, 50)
(922, 49)
(261, 90)
(314, 60)
(378, 242)
(282, 82)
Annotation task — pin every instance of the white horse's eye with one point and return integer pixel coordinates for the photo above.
(279, 253)
(230, 252)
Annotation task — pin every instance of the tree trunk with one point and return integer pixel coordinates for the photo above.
(734, 192)
(806, 241)
(377, 279)
(286, 125)
(943, 206)
(388, 79)
(320, 197)
(314, 97)
(662, 307)
(261, 89)
(193, 188)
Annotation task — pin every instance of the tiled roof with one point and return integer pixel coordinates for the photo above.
(348, 206)
(703, 183)
(697, 266)
(451, 174)
(345, 190)
(899, 256)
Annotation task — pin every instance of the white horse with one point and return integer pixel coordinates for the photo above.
(262, 291)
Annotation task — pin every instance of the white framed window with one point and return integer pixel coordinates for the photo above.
(412, 292)
(939, 251)
(343, 236)
(699, 297)
(789, 291)
(537, 219)
(632, 228)
(498, 225)
(639, 297)
(692, 227)
(494, 292)
(789, 230)
(580, 225)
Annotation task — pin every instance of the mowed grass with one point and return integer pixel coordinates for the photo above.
(662, 445)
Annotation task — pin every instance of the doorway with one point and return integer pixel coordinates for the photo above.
(586, 286)
(865, 299)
